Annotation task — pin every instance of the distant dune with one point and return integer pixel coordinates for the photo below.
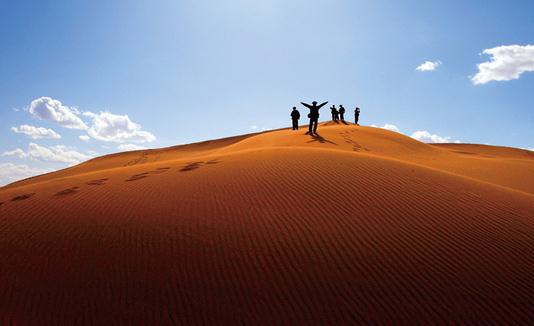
(359, 225)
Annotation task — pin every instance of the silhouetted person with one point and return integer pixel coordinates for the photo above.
(342, 113)
(295, 116)
(313, 115)
(334, 113)
(356, 115)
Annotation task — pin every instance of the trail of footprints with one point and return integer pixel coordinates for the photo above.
(355, 146)
(99, 182)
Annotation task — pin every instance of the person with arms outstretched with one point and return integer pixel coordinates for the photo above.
(314, 116)
(295, 116)
(342, 113)
(356, 115)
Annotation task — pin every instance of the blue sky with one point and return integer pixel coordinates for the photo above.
(185, 71)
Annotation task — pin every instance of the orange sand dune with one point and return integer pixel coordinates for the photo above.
(358, 225)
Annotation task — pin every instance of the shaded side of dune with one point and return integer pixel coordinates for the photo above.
(285, 235)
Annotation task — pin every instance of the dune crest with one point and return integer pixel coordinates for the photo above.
(358, 225)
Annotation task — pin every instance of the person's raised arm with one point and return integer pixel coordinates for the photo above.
(323, 104)
(306, 105)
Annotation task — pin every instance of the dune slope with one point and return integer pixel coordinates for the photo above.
(357, 225)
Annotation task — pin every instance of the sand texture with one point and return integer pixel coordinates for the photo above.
(358, 225)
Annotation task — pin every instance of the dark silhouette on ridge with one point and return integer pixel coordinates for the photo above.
(356, 115)
(295, 116)
(335, 113)
(342, 113)
(313, 115)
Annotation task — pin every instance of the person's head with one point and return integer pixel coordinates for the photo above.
(314, 102)
(294, 108)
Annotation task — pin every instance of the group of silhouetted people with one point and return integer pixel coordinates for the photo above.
(338, 114)
(314, 115)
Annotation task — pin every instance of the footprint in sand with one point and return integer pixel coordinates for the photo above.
(159, 170)
(97, 182)
(191, 166)
(22, 197)
(146, 174)
(139, 176)
(214, 161)
(68, 191)
(195, 165)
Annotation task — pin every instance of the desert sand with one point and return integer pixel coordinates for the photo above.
(359, 225)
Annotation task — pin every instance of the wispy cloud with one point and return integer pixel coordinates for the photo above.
(36, 132)
(507, 63)
(429, 66)
(15, 153)
(10, 172)
(56, 154)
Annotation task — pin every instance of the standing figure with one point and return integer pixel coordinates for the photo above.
(313, 115)
(356, 115)
(334, 112)
(295, 116)
(342, 113)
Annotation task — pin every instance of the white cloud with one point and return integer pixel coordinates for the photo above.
(46, 108)
(84, 138)
(426, 137)
(429, 66)
(507, 63)
(256, 128)
(58, 154)
(36, 132)
(421, 135)
(10, 172)
(117, 128)
(388, 126)
(130, 147)
(16, 152)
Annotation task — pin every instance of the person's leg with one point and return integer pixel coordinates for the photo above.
(310, 127)
(315, 126)
(341, 115)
